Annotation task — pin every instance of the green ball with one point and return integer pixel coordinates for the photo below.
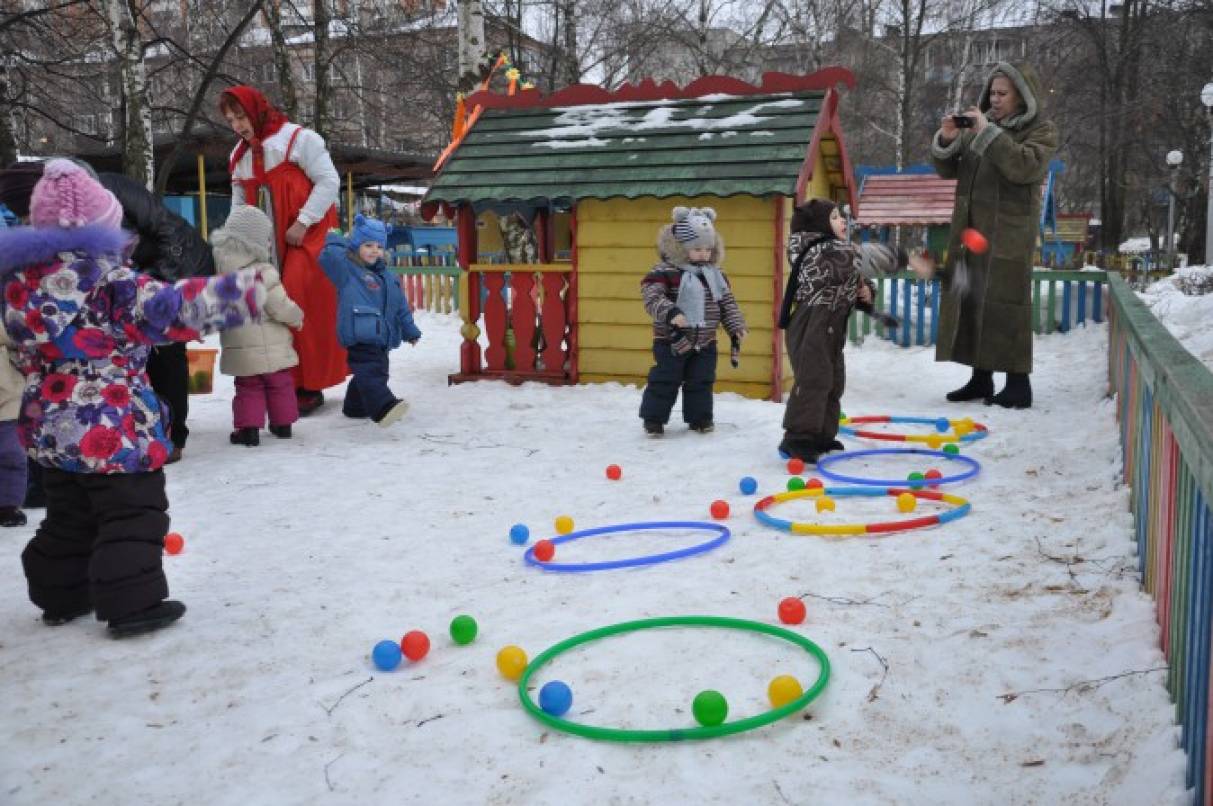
(916, 480)
(842, 415)
(463, 630)
(951, 448)
(795, 483)
(710, 708)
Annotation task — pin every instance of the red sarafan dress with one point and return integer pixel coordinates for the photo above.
(301, 185)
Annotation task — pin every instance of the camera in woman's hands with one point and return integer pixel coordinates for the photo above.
(962, 121)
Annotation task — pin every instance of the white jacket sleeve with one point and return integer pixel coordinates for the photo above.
(237, 188)
(312, 156)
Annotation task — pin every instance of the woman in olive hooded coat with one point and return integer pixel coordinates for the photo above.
(999, 163)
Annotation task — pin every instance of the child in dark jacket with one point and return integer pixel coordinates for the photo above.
(82, 326)
(688, 297)
(830, 275)
(373, 317)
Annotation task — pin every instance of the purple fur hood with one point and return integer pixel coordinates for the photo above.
(23, 246)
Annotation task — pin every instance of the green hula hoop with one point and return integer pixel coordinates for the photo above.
(673, 734)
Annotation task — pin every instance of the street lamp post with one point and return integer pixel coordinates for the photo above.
(1174, 160)
(1206, 97)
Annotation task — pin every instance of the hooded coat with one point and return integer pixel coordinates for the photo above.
(266, 347)
(998, 192)
(82, 326)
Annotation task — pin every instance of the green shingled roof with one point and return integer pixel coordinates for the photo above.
(716, 145)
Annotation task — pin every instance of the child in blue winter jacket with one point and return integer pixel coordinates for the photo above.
(373, 317)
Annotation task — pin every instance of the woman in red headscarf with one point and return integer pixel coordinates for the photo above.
(286, 169)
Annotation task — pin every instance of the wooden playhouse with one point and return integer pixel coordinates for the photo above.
(592, 175)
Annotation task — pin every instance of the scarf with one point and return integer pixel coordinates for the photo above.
(691, 298)
(267, 119)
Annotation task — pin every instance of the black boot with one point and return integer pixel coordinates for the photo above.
(653, 428)
(153, 618)
(979, 387)
(11, 516)
(309, 400)
(802, 448)
(248, 437)
(825, 446)
(703, 426)
(1017, 394)
(281, 431)
(59, 619)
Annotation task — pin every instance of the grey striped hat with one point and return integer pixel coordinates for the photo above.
(693, 227)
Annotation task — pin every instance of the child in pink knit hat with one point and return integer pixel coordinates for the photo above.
(82, 325)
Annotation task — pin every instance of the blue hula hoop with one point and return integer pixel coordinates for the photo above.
(723, 535)
(972, 436)
(823, 467)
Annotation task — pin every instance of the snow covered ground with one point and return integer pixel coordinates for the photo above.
(1186, 316)
(1022, 659)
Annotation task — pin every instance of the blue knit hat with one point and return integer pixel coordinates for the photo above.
(366, 230)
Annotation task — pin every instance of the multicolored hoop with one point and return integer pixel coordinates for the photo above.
(962, 430)
(674, 734)
(848, 529)
(721, 531)
(825, 462)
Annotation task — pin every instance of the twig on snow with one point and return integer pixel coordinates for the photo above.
(782, 796)
(884, 664)
(842, 600)
(329, 710)
(1081, 685)
(430, 719)
(326, 772)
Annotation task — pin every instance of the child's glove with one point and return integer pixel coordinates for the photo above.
(886, 319)
(734, 350)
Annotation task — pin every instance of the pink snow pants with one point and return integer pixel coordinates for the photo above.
(273, 392)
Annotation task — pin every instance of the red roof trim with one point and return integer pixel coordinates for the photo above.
(827, 122)
(649, 90)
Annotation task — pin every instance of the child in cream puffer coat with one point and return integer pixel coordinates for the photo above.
(14, 469)
(259, 356)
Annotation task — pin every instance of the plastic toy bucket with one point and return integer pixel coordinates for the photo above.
(201, 368)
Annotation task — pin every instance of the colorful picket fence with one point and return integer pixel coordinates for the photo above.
(1164, 403)
(1060, 300)
(431, 283)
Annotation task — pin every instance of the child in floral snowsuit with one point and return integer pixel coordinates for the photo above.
(82, 326)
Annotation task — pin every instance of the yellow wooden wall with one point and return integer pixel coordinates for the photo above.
(617, 245)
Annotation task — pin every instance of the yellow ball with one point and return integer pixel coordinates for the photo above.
(511, 662)
(934, 441)
(825, 503)
(564, 525)
(963, 427)
(783, 690)
(906, 502)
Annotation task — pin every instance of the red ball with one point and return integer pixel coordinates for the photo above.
(173, 543)
(814, 484)
(974, 241)
(720, 510)
(614, 472)
(795, 465)
(791, 610)
(414, 645)
(545, 550)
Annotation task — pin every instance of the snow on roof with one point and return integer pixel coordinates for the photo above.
(1135, 246)
(410, 190)
(587, 121)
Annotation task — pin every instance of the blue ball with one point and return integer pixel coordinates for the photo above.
(784, 455)
(748, 485)
(386, 655)
(555, 698)
(942, 425)
(519, 534)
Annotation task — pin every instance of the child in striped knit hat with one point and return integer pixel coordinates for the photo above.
(688, 297)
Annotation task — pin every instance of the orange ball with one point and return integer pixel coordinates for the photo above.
(720, 510)
(931, 475)
(614, 472)
(795, 465)
(974, 241)
(173, 543)
(814, 484)
(414, 645)
(545, 550)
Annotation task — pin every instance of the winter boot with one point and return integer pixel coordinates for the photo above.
(802, 448)
(309, 400)
(59, 619)
(392, 413)
(653, 428)
(248, 437)
(1017, 394)
(829, 445)
(979, 387)
(281, 431)
(703, 426)
(155, 617)
(11, 516)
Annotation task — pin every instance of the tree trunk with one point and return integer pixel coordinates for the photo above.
(571, 63)
(471, 45)
(321, 54)
(282, 60)
(8, 134)
(138, 160)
